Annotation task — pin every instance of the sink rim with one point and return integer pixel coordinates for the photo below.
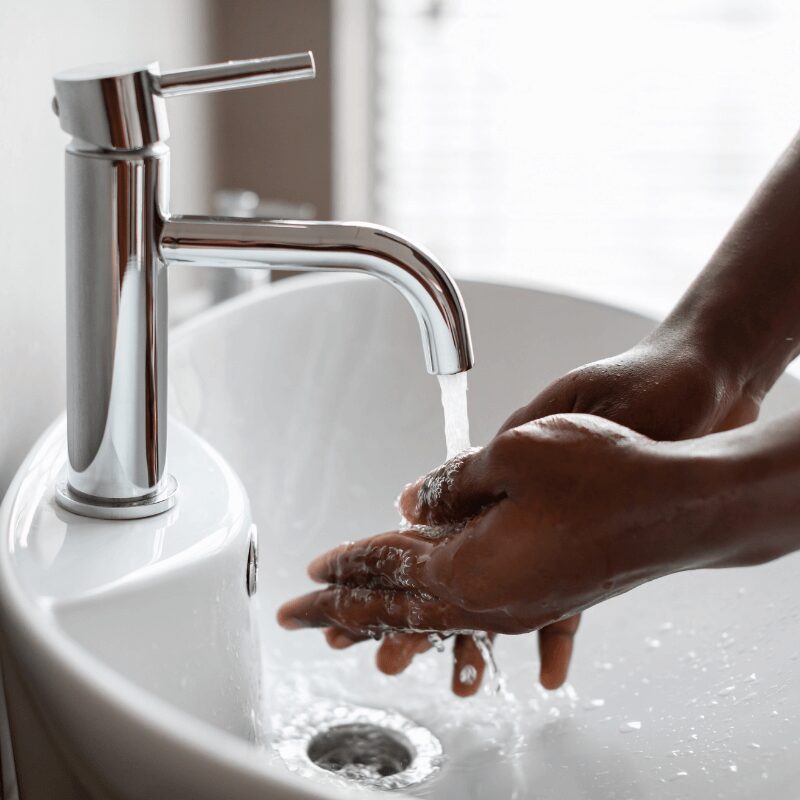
(28, 623)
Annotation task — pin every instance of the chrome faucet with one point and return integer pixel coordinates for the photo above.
(120, 237)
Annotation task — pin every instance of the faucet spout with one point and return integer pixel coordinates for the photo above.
(335, 247)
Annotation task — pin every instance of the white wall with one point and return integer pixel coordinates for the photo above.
(38, 38)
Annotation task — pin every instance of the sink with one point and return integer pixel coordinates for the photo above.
(136, 665)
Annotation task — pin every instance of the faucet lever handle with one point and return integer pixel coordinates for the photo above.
(235, 74)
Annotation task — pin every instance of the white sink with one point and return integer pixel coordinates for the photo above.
(130, 663)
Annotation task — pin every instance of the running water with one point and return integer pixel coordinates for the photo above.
(456, 433)
(495, 680)
(456, 417)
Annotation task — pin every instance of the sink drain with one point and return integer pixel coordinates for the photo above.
(361, 751)
(367, 746)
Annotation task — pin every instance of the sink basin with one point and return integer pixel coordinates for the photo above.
(132, 665)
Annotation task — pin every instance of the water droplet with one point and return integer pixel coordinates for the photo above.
(677, 775)
(598, 702)
(468, 674)
(570, 693)
(726, 691)
(733, 768)
(755, 745)
(652, 642)
(629, 727)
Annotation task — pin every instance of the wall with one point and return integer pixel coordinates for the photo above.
(38, 38)
(276, 140)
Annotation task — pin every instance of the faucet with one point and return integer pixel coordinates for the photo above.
(120, 239)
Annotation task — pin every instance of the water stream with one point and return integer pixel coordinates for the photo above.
(456, 415)
(456, 432)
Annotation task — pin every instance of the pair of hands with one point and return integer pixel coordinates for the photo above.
(572, 502)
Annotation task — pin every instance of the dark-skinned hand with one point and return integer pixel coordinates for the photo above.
(661, 388)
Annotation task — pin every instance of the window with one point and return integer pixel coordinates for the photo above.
(601, 147)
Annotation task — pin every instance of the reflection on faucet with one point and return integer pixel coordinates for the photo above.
(215, 286)
(246, 204)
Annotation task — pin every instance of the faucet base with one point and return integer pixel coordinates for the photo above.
(158, 503)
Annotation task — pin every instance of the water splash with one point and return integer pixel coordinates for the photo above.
(495, 680)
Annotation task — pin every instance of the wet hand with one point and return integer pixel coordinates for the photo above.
(667, 388)
(560, 514)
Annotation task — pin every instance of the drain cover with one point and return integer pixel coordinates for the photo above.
(361, 751)
(366, 746)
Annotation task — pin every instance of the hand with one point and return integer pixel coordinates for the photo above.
(562, 513)
(666, 388)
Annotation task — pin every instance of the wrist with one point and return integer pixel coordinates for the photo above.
(742, 487)
(680, 507)
(696, 526)
(748, 337)
(697, 335)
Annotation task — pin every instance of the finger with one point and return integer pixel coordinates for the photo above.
(555, 651)
(372, 611)
(468, 666)
(340, 640)
(397, 651)
(456, 491)
(389, 561)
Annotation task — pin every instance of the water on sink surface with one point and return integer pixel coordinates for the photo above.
(484, 730)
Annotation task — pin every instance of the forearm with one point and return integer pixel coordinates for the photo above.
(745, 305)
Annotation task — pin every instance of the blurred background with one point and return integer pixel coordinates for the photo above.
(598, 147)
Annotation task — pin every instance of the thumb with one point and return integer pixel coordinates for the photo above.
(452, 493)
